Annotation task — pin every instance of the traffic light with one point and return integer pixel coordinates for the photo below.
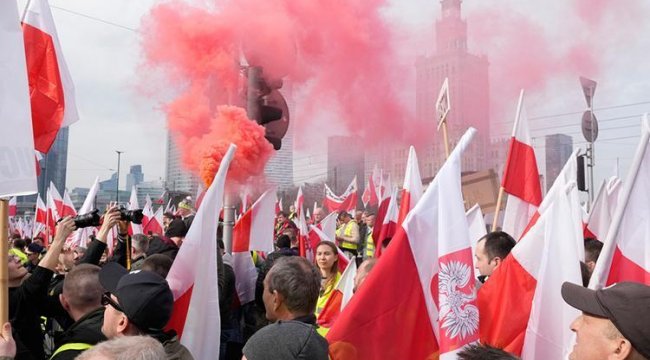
(266, 105)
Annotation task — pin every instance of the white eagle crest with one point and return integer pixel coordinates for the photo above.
(457, 315)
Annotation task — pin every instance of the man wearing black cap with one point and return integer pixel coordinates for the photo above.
(615, 321)
(139, 304)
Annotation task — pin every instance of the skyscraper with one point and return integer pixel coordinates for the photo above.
(177, 177)
(134, 177)
(54, 164)
(558, 149)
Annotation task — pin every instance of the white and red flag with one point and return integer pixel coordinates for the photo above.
(384, 200)
(327, 226)
(253, 232)
(521, 307)
(68, 206)
(12, 207)
(15, 113)
(346, 202)
(343, 259)
(429, 263)
(520, 177)
(300, 201)
(412, 191)
(57, 201)
(50, 84)
(602, 210)
(339, 298)
(626, 252)
(81, 235)
(193, 277)
(154, 224)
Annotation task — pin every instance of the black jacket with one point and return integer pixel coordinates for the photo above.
(87, 330)
(159, 245)
(26, 303)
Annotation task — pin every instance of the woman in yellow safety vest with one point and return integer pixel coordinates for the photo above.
(327, 260)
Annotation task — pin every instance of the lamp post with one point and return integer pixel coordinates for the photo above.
(117, 183)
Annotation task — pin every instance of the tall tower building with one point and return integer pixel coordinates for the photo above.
(134, 177)
(468, 89)
(178, 178)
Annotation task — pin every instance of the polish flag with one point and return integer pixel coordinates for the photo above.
(521, 307)
(147, 212)
(520, 177)
(327, 226)
(52, 212)
(373, 181)
(339, 298)
(57, 200)
(154, 224)
(300, 200)
(389, 224)
(168, 207)
(626, 253)
(603, 209)
(343, 259)
(18, 176)
(81, 235)
(12, 206)
(476, 224)
(346, 202)
(429, 264)
(50, 84)
(365, 197)
(193, 276)
(133, 205)
(246, 201)
(40, 216)
(253, 232)
(68, 206)
(412, 186)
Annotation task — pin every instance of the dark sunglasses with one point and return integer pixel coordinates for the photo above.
(106, 300)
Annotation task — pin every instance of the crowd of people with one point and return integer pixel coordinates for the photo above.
(92, 303)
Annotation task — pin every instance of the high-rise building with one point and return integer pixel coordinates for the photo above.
(279, 168)
(558, 149)
(134, 177)
(155, 189)
(110, 184)
(54, 164)
(178, 179)
(469, 101)
(345, 160)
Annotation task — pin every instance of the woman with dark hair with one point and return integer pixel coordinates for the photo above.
(327, 260)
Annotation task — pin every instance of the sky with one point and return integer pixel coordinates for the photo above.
(102, 44)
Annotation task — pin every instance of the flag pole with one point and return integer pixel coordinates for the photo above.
(22, 18)
(445, 137)
(4, 272)
(497, 209)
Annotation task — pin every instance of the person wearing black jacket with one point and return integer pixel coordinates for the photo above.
(28, 295)
(81, 298)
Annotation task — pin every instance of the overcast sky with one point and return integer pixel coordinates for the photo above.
(100, 41)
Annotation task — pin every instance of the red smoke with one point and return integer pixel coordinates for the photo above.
(331, 53)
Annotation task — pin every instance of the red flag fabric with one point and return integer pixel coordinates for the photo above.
(193, 276)
(626, 252)
(429, 263)
(50, 86)
(339, 298)
(346, 202)
(388, 225)
(68, 206)
(520, 177)
(12, 206)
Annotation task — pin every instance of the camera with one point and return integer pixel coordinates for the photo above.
(87, 220)
(134, 216)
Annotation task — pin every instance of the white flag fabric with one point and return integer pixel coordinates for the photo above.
(193, 277)
(476, 224)
(17, 170)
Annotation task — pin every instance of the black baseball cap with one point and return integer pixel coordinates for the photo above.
(144, 296)
(625, 304)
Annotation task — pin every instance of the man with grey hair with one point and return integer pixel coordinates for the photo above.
(291, 291)
(139, 247)
(126, 348)
(81, 298)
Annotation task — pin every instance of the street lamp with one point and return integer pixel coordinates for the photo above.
(117, 185)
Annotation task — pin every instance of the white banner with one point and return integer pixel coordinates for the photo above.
(17, 161)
